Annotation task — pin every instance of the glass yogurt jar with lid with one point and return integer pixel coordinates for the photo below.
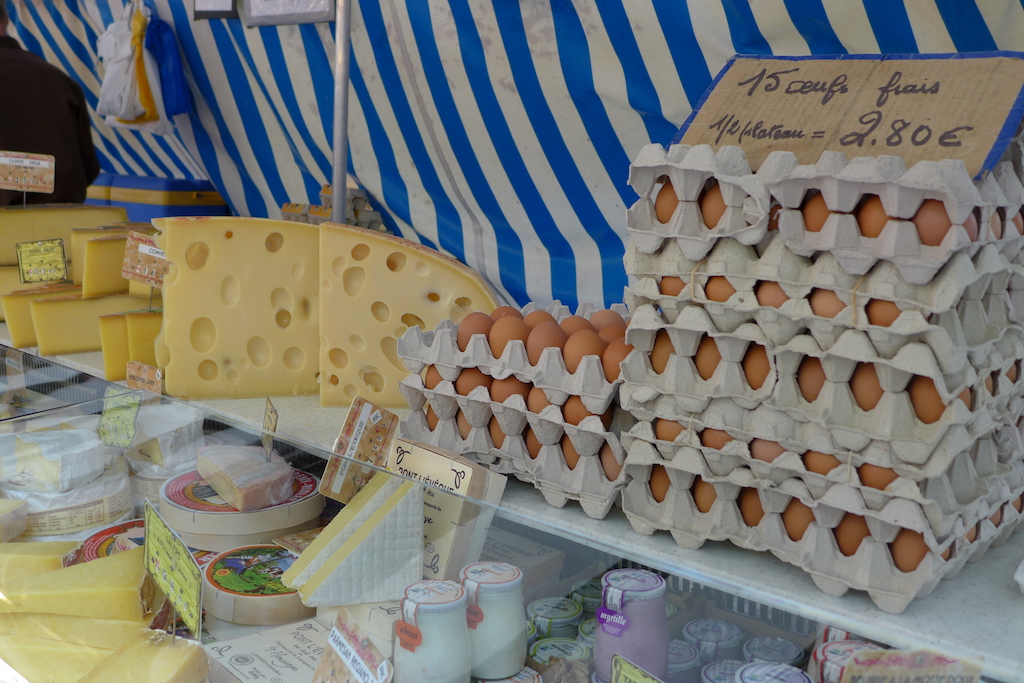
(497, 618)
(714, 638)
(555, 617)
(829, 659)
(770, 672)
(569, 649)
(588, 594)
(683, 663)
(433, 637)
(632, 622)
(778, 650)
(722, 671)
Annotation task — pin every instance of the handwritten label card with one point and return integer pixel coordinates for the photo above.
(143, 261)
(174, 569)
(898, 666)
(42, 261)
(920, 109)
(365, 436)
(25, 172)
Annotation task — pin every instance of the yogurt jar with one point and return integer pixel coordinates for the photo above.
(555, 617)
(588, 594)
(714, 638)
(497, 618)
(829, 659)
(777, 650)
(525, 675)
(722, 671)
(683, 663)
(770, 672)
(434, 614)
(586, 632)
(531, 633)
(632, 622)
(569, 649)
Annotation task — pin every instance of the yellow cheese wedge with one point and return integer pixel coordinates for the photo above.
(13, 519)
(18, 560)
(240, 308)
(17, 310)
(373, 288)
(41, 660)
(71, 325)
(112, 587)
(50, 221)
(109, 634)
(153, 657)
(143, 328)
(10, 280)
(79, 236)
(114, 343)
(101, 270)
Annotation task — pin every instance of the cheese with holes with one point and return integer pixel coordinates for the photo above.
(143, 328)
(71, 324)
(13, 519)
(106, 633)
(240, 301)
(54, 460)
(50, 221)
(18, 560)
(112, 587)
(114, 344)
(101, 270)
(18, 312)
(373, 288)
(41, 660)
(151, 656)
(79, 236)
(243, 477)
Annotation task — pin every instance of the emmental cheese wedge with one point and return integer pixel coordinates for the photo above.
(243, 477)
(109, 634)
(112, 587)
(153, 657)
(114, 343)
(50, 221)
(41, 660)
(374, 287)
(241, 317)
(18, 312)
(71, 324)
(101, 270)
(19, 560)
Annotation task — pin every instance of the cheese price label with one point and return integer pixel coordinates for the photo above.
(42, 261)
(144, 377)
(899, 666)
(143, 261)
(117, 422)
(366, 437)
(24, 172)
(269, 428)
(625, 671)
(174, 569)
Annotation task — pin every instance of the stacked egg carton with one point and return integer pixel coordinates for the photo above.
(595, 479)
(800, 416)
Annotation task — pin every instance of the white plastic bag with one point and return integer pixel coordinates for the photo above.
(119, 94)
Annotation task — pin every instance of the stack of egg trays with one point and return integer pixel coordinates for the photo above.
(548, 472)
(980, 272)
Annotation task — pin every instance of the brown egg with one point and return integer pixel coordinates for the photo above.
(574, 410)
(712, 205)
(714, 438)
(1018, 222)
(610, 333)
(615, 353)
(718, 288)
(612, 468)
(502, 311)
(770, 293)
(659, 482)
(796, 518)
(750, 506)
(997, 517)
(820, 463)
(471, 378)
(995, 224)
(707, 357)
(825, 303)
(972, 534)
(497, 435)
(670, 285)
(761, 449)
(965, 396)
(507, 329)
(574, 323)
(537, 400)
(852, 529)
(815, 213)
(474, 323)
(667, 430)
(876, 477)
(871, 216)
(545, 334)
(932, 222)
(925, 398)
(534, 318)
(1012, 373)
(881, 312)
(908, 549)
(703, 493)
(432, 377)
(533, 444)
(971, 226)
(991, 383)
(756, 366)
(666, 202)
(432, 418)
(1018, 503)
(865, 387)
(661, 352)
(810, 377)
(605, 317)
(773, 216)
(569, 452)
(502, 389)
(580, 345)
(463, 424)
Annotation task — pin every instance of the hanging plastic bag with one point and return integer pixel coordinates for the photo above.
(119, 94)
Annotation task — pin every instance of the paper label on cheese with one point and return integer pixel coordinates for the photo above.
(170, 563)
(625, 671)
(117, 423)
(42, 261)
(366, 436)
(269, 428)
(191, 491)
(352, 657)
(72, 518)
(25, 172)
(142, 377)
(897, 666)
(101, 543)
(289, 654)
(253, 570)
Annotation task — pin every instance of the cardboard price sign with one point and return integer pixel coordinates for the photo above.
(143, 261)
(903, 666)
(42, 261)
(365, 436)
(923, 107)
(25, 172)
(174, 569)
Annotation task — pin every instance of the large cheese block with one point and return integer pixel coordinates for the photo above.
(113, 587)
(143, 329)
(152, 656)
(244, 478)
(105, 633)
(240, 308)
(71, 324)
(374, 287)
(41, 660)
(101, 270)
(114, 344)
(50, 221)
(18, 312)
(79, 236)
(18, 560)
(54, 460)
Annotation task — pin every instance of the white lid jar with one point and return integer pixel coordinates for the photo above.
(555, 617)
(829, 659)
(531, 633)
(714, 638)
(632, 622)
(778, 650)
(722, 671)
(496, 618)
(569, 649)
(433, 638)
(770, 672)
(586, 633)
(588, 594)
(683, 663)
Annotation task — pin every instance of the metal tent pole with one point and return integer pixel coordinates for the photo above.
(342, 42)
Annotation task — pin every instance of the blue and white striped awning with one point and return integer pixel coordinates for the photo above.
(499, 131)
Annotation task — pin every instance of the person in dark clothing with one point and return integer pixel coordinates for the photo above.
(43, 111)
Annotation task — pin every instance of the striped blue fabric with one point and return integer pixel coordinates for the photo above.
(500, 132)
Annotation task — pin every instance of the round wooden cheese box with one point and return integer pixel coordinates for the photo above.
(244, 586)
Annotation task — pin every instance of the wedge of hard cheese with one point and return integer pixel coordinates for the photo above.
(114, 344)
(13, 519)
(79, 236)
(101, 271)
(50, 221)
(112, 587)
(372, 288)
(18, 560)
(243, 477)
(18, 312)
(41, 660)
(71, 324)
(153, 657)
(10, 280)
(143, 329)
(105, 633)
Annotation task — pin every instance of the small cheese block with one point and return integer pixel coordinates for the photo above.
(18, 313)
(79, 236)
(10, 280)
(13, 519)
(143, 328)
(112, 587)
(50, 221)
(114, 343)
(109, 634)
(55, 460)
(152, 656)
(243, 586)
(18, 560)
(373, 287)
(41, 660)
(243, 477)
(101, 270)
(70, 325)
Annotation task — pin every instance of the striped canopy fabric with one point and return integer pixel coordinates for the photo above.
(499, 131)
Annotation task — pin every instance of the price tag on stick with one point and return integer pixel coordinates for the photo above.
(24, 172)
(269, 428)
(143, 261)
(42, 261)
(171, 565)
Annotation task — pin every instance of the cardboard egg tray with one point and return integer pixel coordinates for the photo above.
(870, 569)
(548, 472)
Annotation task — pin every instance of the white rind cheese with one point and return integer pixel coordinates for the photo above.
(51, 461)
(169, 436)
(244, 478)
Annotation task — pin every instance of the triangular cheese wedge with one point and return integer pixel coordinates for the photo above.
(18, 560)
(154, 657)
(42, 659)
(13, 519)
(105, 633)
(380, 558)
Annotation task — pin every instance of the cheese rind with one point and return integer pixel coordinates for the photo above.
(18, 312)
(19, 560)
(50, 221)
(244, 478)
(109, 634)
(41, 660)
(71, 325)
(152, 656)
(51, 461)
(101, 272)
(114, 343)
